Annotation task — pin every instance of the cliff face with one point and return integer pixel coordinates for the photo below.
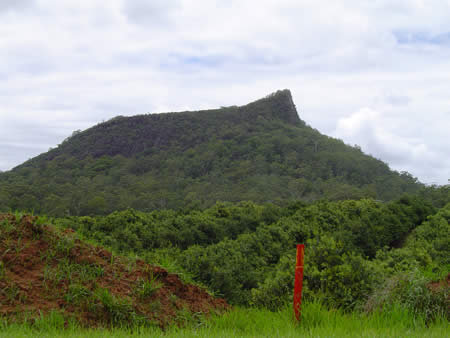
(280, 106)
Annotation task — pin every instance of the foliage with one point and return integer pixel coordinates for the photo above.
(437, 195)
(245, 252)
(260, 152)
(390, 259)
(412, 291)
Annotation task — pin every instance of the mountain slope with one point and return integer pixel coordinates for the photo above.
(261, 151)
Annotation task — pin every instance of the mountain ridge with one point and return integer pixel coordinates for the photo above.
(262, 152)
(280, 102)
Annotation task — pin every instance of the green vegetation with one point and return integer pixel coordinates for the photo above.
(371, 268)
(246, 252)
(221, 198)
(113, 310)
(146, 288)
(381, 268)
(317, 321)
(56, 275)
(261, 152)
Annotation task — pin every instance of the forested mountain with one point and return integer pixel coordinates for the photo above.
(262, 152)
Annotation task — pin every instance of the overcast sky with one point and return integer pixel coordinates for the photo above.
(374, 73)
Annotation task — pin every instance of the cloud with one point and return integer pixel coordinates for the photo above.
(397, 99)
(15, 5)
(66, 65)
(380, 136)
(153, 13)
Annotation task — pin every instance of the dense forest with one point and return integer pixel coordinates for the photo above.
(360, 254)
(261, 152)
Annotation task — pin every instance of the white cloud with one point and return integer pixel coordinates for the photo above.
(69, 64)
(381, 136)
(15, 5)
(153, 13)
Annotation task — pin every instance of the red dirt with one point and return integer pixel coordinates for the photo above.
(33, 279)
(439, 285)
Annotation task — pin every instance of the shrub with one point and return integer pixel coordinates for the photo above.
(413, 291)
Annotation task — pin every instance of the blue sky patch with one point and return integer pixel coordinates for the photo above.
(410, 38)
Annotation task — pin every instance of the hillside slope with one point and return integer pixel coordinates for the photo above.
(261, 152)
(43, 270)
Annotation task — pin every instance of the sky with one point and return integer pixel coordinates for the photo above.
(374, 73)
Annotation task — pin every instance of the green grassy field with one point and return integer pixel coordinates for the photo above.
(245, 322)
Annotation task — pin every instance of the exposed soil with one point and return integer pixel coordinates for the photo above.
(439, 285)
(44, 269)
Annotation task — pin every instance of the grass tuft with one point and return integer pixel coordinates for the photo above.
(146, 288)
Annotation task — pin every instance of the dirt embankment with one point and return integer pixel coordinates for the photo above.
(43, 269)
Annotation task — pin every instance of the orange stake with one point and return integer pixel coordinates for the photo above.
(298, 284)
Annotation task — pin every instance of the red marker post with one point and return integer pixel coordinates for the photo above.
(298, 284)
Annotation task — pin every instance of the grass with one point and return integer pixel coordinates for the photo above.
(5, 227)
(113, 310)
(146, 288)
(77, 293)
(251, 322)
(2, 269)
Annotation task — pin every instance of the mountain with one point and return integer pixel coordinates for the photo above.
(261, 152)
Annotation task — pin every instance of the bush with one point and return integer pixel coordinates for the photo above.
(278, 286)
(412, 290)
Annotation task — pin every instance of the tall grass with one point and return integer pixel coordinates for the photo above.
(317, 321)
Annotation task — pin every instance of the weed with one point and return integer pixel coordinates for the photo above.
(53, 320)
(64, 245)
(47, 273)
(131, 265)
(18, 247)
(41, 220)
(411, 291)
(18, 215)
(146, 288)
(154, 306)
(187, 318)
(48, 255)
(22, 297)
(117, 274)
(53, 276)
(72, 272)
(2, 270)
(12, 293)
(45, 286)
(90, 272)
(9, 243)
(166, 258)
(173, 299)
(6, 226)
(77, 293)
(3, 256)
(118, 312)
